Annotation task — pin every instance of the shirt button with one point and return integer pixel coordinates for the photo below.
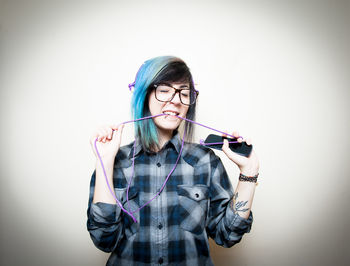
(160, 226)
(160, 261)
(159, 165)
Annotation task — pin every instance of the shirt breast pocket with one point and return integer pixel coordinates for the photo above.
(193, 207)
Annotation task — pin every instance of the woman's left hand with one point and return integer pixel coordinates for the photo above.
(248, 166)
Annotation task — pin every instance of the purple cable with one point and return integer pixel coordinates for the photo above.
(166, 180)
(120, 205)
(133, 164)
(214, 143)
(132, 175)
(206, 126)
(104, 171)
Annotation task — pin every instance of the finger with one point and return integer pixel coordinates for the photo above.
(99, 135)
(115, 126)
(103, 137)
(119, 132)
(121, 127)
(101, 130)
(225, 148)
(236, 158)
(110, 133)
(249, 141)
(235, 134)
(105, 133)
(225, 145)
(105, 130)
(94, 136)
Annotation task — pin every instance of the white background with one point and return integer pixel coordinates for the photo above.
(276, 71)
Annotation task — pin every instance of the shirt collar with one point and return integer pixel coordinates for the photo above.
(175, 141)
(138, 147)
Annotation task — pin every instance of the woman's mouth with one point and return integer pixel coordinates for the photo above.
(171, 115)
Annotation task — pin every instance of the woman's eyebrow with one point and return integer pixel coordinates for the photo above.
(171, 85)
(184, 86)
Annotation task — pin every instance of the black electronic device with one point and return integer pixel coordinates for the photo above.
(241, 148)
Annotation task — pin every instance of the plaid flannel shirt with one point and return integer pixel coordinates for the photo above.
(174, 228)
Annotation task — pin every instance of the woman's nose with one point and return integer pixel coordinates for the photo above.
(176, 98)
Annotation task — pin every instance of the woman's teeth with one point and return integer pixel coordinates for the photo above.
(170, 113)
(171, 116)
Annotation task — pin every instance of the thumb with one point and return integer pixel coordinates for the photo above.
(236, 158)
(225, 146)
(118, 133)
(115, 126)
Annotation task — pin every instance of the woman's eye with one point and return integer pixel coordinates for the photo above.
(185, 93)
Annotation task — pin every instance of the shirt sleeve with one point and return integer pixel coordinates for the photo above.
(103, 222)
(225, 226)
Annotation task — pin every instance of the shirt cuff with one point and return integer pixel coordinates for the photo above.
(237, 223)
(104, 213)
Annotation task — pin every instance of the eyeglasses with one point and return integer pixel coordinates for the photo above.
(165, 93)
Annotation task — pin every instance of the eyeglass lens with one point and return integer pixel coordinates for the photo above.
(165, 93)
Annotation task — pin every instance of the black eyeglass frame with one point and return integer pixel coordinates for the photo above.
(176, 91)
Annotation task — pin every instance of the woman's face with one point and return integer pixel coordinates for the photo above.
(168, 122)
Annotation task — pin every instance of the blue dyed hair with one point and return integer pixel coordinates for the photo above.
(153, 71)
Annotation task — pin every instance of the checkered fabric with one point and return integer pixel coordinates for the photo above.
(174, 228)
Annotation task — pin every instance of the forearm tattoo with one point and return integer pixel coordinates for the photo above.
(238, 206)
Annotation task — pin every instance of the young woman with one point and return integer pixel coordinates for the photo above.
(176, 209)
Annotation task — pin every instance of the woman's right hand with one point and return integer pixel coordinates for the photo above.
(108, 141)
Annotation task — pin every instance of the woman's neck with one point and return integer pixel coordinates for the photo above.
(164, 136)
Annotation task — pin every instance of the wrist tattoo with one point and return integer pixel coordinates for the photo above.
(238, 206)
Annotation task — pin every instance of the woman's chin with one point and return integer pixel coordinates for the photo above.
(170, 118)
(169, 124)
